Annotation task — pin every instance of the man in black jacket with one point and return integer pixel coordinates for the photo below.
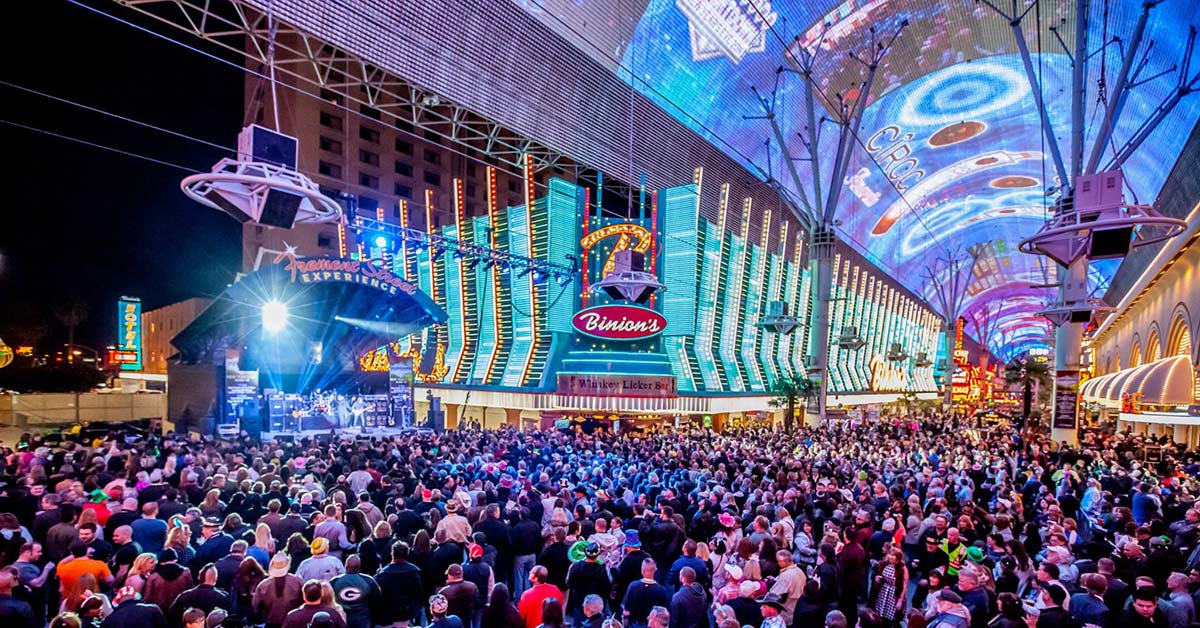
(526, 537)
(447, 553)
(556, 559)
(585, 578)
(630, 568)
(128, 611)
(1053, 615)
(289, 524)
(401, 586)
(496, 533)
(204, 596)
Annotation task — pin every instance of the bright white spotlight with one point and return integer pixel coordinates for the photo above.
(380, 242)
(274, 316)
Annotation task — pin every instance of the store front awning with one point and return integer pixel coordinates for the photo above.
(1165, 382)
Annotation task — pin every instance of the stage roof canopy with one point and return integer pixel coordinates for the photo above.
(333, 311)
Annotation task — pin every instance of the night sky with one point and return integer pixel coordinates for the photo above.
(88, 222)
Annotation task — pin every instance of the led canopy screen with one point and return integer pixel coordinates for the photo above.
(950, 155)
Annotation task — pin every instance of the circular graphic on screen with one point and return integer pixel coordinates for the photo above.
(957, 132)
(1014, 182)
(963, 91)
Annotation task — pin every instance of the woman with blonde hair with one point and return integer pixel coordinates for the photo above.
(142, 566)
(264, 546)
(179, 539)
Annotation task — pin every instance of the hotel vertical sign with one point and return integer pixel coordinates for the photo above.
(129, 331)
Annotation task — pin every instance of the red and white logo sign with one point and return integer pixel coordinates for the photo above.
(619, 322)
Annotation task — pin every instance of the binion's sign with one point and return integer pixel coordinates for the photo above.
(619, 322)
(129, 332)
(886, 376)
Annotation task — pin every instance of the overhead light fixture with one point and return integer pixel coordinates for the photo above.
(274, 316)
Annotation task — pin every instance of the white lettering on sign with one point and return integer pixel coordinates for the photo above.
(886, 376)
(597, 322)
(858, 185)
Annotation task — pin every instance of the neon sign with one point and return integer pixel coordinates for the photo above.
(380, 361)
(626, 231)
(129, 331)
(344, 270)
(886, 376)
(619, 322)
(961, 357)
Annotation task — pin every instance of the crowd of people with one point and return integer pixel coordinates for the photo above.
(931, 523)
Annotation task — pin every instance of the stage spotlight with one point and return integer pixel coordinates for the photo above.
(274, 316)
(505, 266)
(437, 253)
(458, 254)
(564, 280)
(380, 242)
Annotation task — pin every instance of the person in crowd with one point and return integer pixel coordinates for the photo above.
(13, 612)
(689, 605)
(500, 611)
(129, 610)
(438, 613)
(531, 605)
(643, 595)
(166, 581)
(460, 594)
(79, 564)
(314, 610)
(321, 566)
(277, 595)
(204, 596)
(356, 593)
(149, 532)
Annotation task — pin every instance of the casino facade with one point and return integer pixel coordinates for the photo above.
(518, 347)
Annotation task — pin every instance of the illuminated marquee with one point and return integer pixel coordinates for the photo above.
(626, 231)
(961, 357)
(380, 361)
(129, 325)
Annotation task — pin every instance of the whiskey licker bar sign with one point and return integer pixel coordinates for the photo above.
(616, 385)
(619, 322)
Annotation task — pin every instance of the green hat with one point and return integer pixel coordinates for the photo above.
(98, 496)
(975, 554)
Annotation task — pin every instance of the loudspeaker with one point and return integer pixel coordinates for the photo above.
(1080, 316)
(279, 208)
(256, 143)
(1110, 242)
(215, 197)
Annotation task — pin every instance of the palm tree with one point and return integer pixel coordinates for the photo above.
(786, 391)
(71, 310)
(1025, 372)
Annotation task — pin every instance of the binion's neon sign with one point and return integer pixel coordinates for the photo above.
(887, 376)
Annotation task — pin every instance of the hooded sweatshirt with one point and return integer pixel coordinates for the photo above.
(165, 584)
(689, 607)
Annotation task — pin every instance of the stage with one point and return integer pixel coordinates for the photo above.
(339, 433)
